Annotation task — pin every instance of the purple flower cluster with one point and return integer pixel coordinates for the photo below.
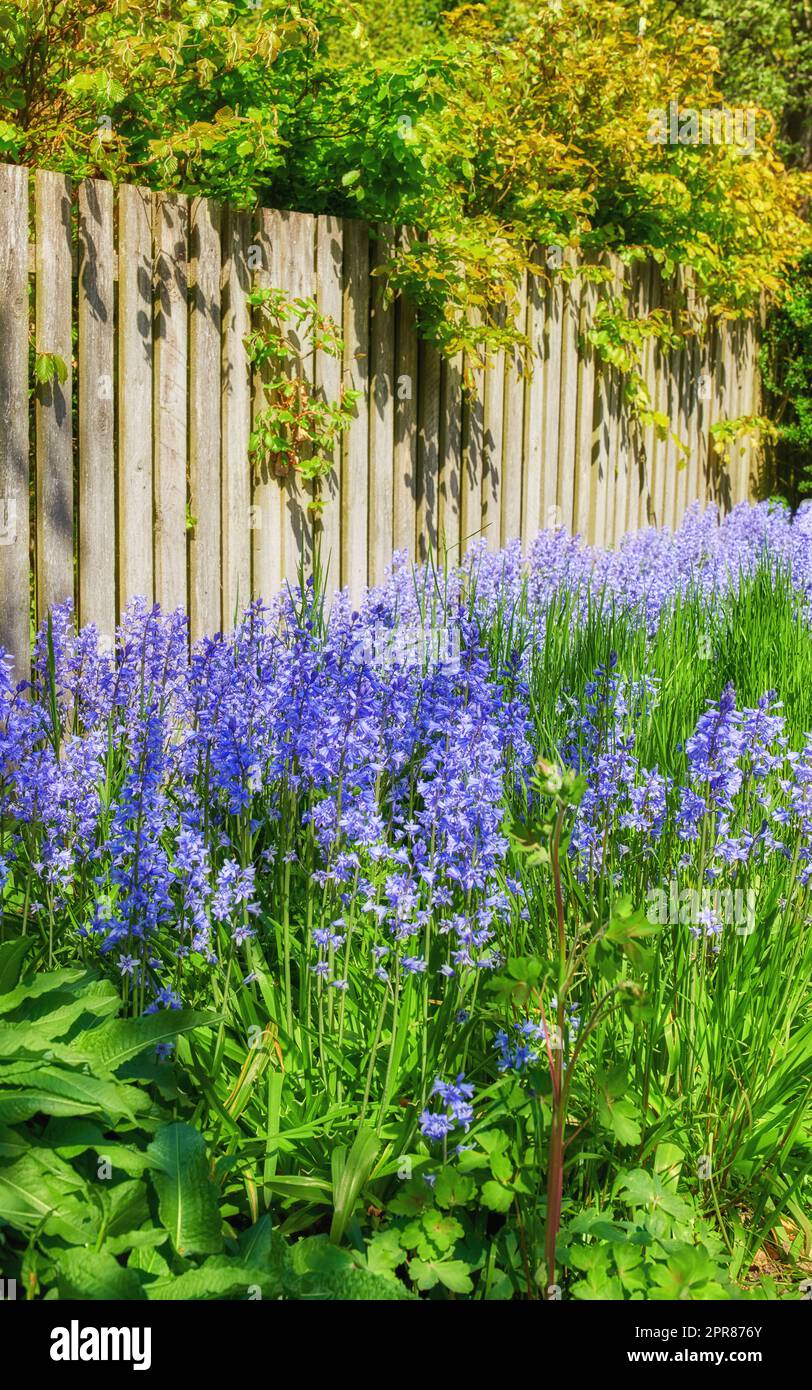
(162, 803)
(457, 1112)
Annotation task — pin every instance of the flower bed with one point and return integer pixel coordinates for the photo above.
(482, 913)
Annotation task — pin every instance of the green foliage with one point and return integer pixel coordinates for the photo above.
(647, 1243)
(765, 52)
(491, 129)
(102, 1195)
(786, 365)
(48, 367)
(765, 49)
(296, 428)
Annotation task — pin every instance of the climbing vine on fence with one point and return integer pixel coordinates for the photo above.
(297, 428)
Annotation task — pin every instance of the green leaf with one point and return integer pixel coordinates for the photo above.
(628, 928)
(116, 1042)
(60, 1091)
(617, 1112)
(187, 1198)
(443, 1231)
(350, 1172)
(218, 1277)
(256, 1243)
(620, 1118)
(453, 1274)
(56, 1202)
(642, 1189)
(12, 955)
(496, 1197)
(385, 1252)
(43, 982)
(95, 1274)
(415, 1197)
(453, 1189)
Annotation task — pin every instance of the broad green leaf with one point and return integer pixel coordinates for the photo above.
(218, 1277)
(496, 1197)
(187, 1197)
(116, 1042)
(453, 1274)
(55, 1203)
(46, 982)
(95, 1274)
(91, 1094)
(453, 1189)
(621, 1119)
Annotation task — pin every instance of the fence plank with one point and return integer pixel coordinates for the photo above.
(551, 508)
(135, 394)
(682, 386)
(170, 403)
(295, 273)
(492, 452)
(740, 407)
(568, 432)
(268, 491)
(236, 514)
(450, 456)
(702, 406)
(96, 374)
(428, 434)
(205, 614)
(716, 411)
(641, 471)
(652, 506)
(585, 481)
(534, 405)
(355, 460)
(381, 412)
(749, 405)
(660, 364)
(329, 377)
(473, 442)
(513, 440)
(618, 461)
(406, 400)
(14, 561)
(54, 412)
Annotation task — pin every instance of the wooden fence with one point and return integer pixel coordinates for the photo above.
(149, 489)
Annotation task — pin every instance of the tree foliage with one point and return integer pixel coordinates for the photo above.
(766, 56)
(486, 129)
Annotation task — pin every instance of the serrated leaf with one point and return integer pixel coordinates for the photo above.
(217, 1277)
(124, 1038)
(187, 1198)
(384, 1253)
(95, 1274)
(453, 1274)
(496, 1197)
(453, 1189)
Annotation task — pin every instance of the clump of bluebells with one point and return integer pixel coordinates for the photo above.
(452, 1110)
(278, 810)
